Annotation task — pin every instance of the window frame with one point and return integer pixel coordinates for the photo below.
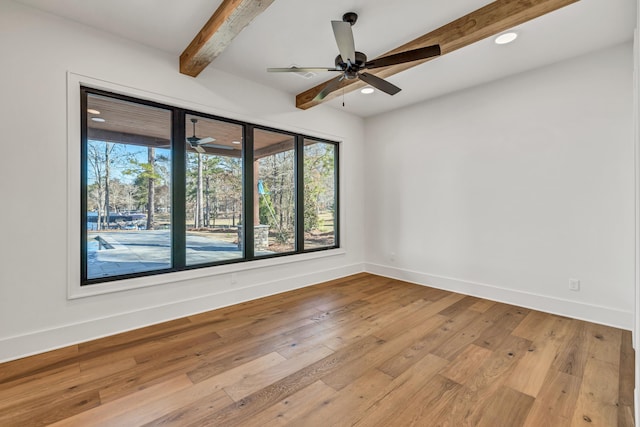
(178, 187)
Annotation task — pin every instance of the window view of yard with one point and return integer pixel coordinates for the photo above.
(213, 190)
(319, 194)
(129, 162)
(128, 199)
(274, 178)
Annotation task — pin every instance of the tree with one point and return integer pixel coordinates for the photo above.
(151, 178)
(147, 176)
(277, 201)
(212, 179)
(95, 157)
(102, 157)
(319, 192)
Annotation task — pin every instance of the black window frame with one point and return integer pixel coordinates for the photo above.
(178, 187)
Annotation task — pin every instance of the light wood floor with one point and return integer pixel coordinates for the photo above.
(363, 350)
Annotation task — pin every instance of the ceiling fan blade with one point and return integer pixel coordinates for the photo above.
(344, 39)
(205, 140)
(198, 148)
(330, 87)
(220, 147)
(408, 56)
(302, 70)
(379, 83)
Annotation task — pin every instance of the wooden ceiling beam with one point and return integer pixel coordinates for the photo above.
(224, 25)
(487, 21)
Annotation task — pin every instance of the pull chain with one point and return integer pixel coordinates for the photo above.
(342, 97)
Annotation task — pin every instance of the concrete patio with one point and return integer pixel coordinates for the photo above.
(139, 251)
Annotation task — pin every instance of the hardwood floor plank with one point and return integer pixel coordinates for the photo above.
(252, 383)
(531, 327)
(482, 306)
(571, 353)
(597, 403)
(44, 412)
(417, 319)
(627, 381)
(106, 413)
(373, 324)
(505, 315)
(246, 370)
(344, 407)
(42, 363)
(463, 304)
(604, 343)
(363, 350)
(259, 401)
(556, 401)
(395, 395)
(349, 372)
(293, 407)
(136, 337)
(431, 400)
(194, 410)
(63, 385)
(468, 404)
(23, 390)
(426, 344)
(466, 364)
(450, 348)
(533, 368)
(506, 404)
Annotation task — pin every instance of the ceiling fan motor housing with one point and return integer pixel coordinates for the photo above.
(361, 59)
(350, 17)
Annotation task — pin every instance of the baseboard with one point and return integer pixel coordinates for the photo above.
(16, 347)
(577, 310)
(636, 408)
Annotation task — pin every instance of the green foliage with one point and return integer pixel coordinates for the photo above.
(318, 184)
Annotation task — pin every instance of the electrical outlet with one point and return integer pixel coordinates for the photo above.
(392, 256)
(574, 284)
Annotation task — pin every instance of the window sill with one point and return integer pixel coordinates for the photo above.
(76, 291)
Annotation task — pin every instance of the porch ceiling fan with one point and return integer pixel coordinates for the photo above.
(198, 143)
(352, 64)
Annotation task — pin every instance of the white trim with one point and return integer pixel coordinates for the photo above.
(636, 124)
(37, 342)
(589, 312)
(74, 290)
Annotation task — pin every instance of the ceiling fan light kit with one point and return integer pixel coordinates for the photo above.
(352, 64)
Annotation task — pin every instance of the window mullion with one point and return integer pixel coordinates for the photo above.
(178, 177)
(248, 188)
(299, 208)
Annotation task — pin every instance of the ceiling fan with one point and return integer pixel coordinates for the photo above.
(352, 63)
(197, 143)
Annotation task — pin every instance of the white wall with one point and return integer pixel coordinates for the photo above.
(510, 189)
(37, 52)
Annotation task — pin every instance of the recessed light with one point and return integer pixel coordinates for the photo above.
(367, 90)
(98, 119)
(92, 111)
(236, 142)
(506, 38)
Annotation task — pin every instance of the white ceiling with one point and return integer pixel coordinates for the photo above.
(299, 32)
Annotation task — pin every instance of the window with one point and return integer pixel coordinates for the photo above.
(166, 189)
(127, 187)
(320, 215)
(274, 178)
(213, 196)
